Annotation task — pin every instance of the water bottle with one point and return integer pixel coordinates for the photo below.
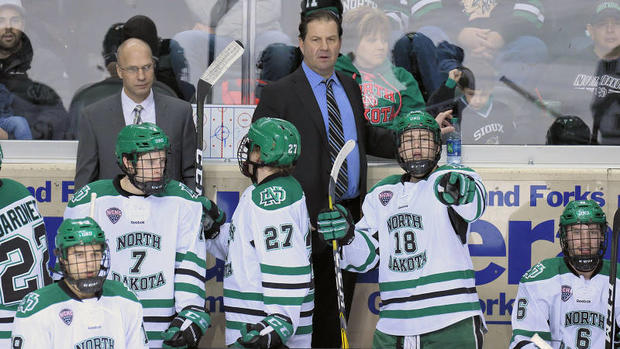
(453, 143)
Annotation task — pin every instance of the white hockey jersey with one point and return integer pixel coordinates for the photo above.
(565, 310)
(267, 251)
(156, 246)
(53, 317)
(23, 252)
(426, 276)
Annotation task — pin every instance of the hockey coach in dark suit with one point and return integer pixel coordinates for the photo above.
(136, 102)
(326, 107)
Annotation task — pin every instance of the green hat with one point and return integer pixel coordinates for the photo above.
(417, 120)
(73, 232)
(279, 141)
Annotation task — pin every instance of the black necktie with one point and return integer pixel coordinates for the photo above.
(136, 114)
(336, 139)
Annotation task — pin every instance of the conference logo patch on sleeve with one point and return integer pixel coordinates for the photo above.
(114, 214)
(66, 315)
(385, 197)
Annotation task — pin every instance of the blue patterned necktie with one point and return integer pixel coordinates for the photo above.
(336, 139)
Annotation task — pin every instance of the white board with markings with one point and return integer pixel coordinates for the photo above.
(224, 127)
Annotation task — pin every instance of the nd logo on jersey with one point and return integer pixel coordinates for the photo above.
(272, 196)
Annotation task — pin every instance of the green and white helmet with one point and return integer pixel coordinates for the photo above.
(76, 233)
(279, 143)
(135, 140)
(575, 214)
(419, 168)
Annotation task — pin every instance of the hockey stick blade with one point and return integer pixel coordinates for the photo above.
(540, 342)
(93, 197)
(214, 72)
(530, 97)
(347, 148)
(613, 270)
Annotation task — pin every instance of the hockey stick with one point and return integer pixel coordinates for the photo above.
(540, 342)
(214, 72)
(530, 97)
(93, 197)
(347, 148)
(610, 324)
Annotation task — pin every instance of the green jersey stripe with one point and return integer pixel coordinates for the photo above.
(154, 335)
(192, 257)
(181, 286)
(248, 296)
(429, 311)
(157, 303)
(544, 335)
(370, 259)
(236, 325)
(5, 334)
(278, 270)
(425, 280)
(284, 300)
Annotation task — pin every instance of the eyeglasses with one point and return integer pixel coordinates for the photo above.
(134, 70)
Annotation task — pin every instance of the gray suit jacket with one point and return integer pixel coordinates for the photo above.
(102, 121)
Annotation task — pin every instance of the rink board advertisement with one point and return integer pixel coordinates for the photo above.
(518, 229)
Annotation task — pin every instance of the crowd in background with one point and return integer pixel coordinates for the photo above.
(57, 57)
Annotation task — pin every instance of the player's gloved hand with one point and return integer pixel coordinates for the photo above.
(455, 188)
(272, 332)
(336, 224)
(212, 218)
(186, 328)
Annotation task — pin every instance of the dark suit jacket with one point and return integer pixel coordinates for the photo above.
(291, 98)
(102, 121)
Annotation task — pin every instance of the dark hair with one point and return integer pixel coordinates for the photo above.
(568, 130)
(143, 28)
(481, 76)
(318, 15)
(112, 40)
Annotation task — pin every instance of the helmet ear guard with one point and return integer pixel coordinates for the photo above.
(579, 213)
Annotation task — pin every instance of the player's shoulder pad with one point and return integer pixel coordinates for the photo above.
(389, 180)
(13, 190)
(546, 269)
(175, 188)
(40, 299)
(102, 187)
(605, 268)
(112, 288)
(277, 193)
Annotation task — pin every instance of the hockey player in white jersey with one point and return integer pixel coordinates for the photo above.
(83, 310)
(22, 232)
(564, 299)
(415, 228)
(155, 230)
(267, 276)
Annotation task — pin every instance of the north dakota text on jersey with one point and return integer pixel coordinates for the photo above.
(138, 239)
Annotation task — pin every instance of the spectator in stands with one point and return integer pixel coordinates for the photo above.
(573, 79)
(483, 119)
(387, 91)
(143, 28)
(35, 101)
(91, 93)
(606, 104)
(136, 102)
(15, 126)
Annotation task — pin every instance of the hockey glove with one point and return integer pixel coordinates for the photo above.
(186, 328)
(212, 218)
(272, 332)
(455, 188)
(336, 224)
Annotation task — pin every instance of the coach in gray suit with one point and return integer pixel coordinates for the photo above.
(136, 102)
